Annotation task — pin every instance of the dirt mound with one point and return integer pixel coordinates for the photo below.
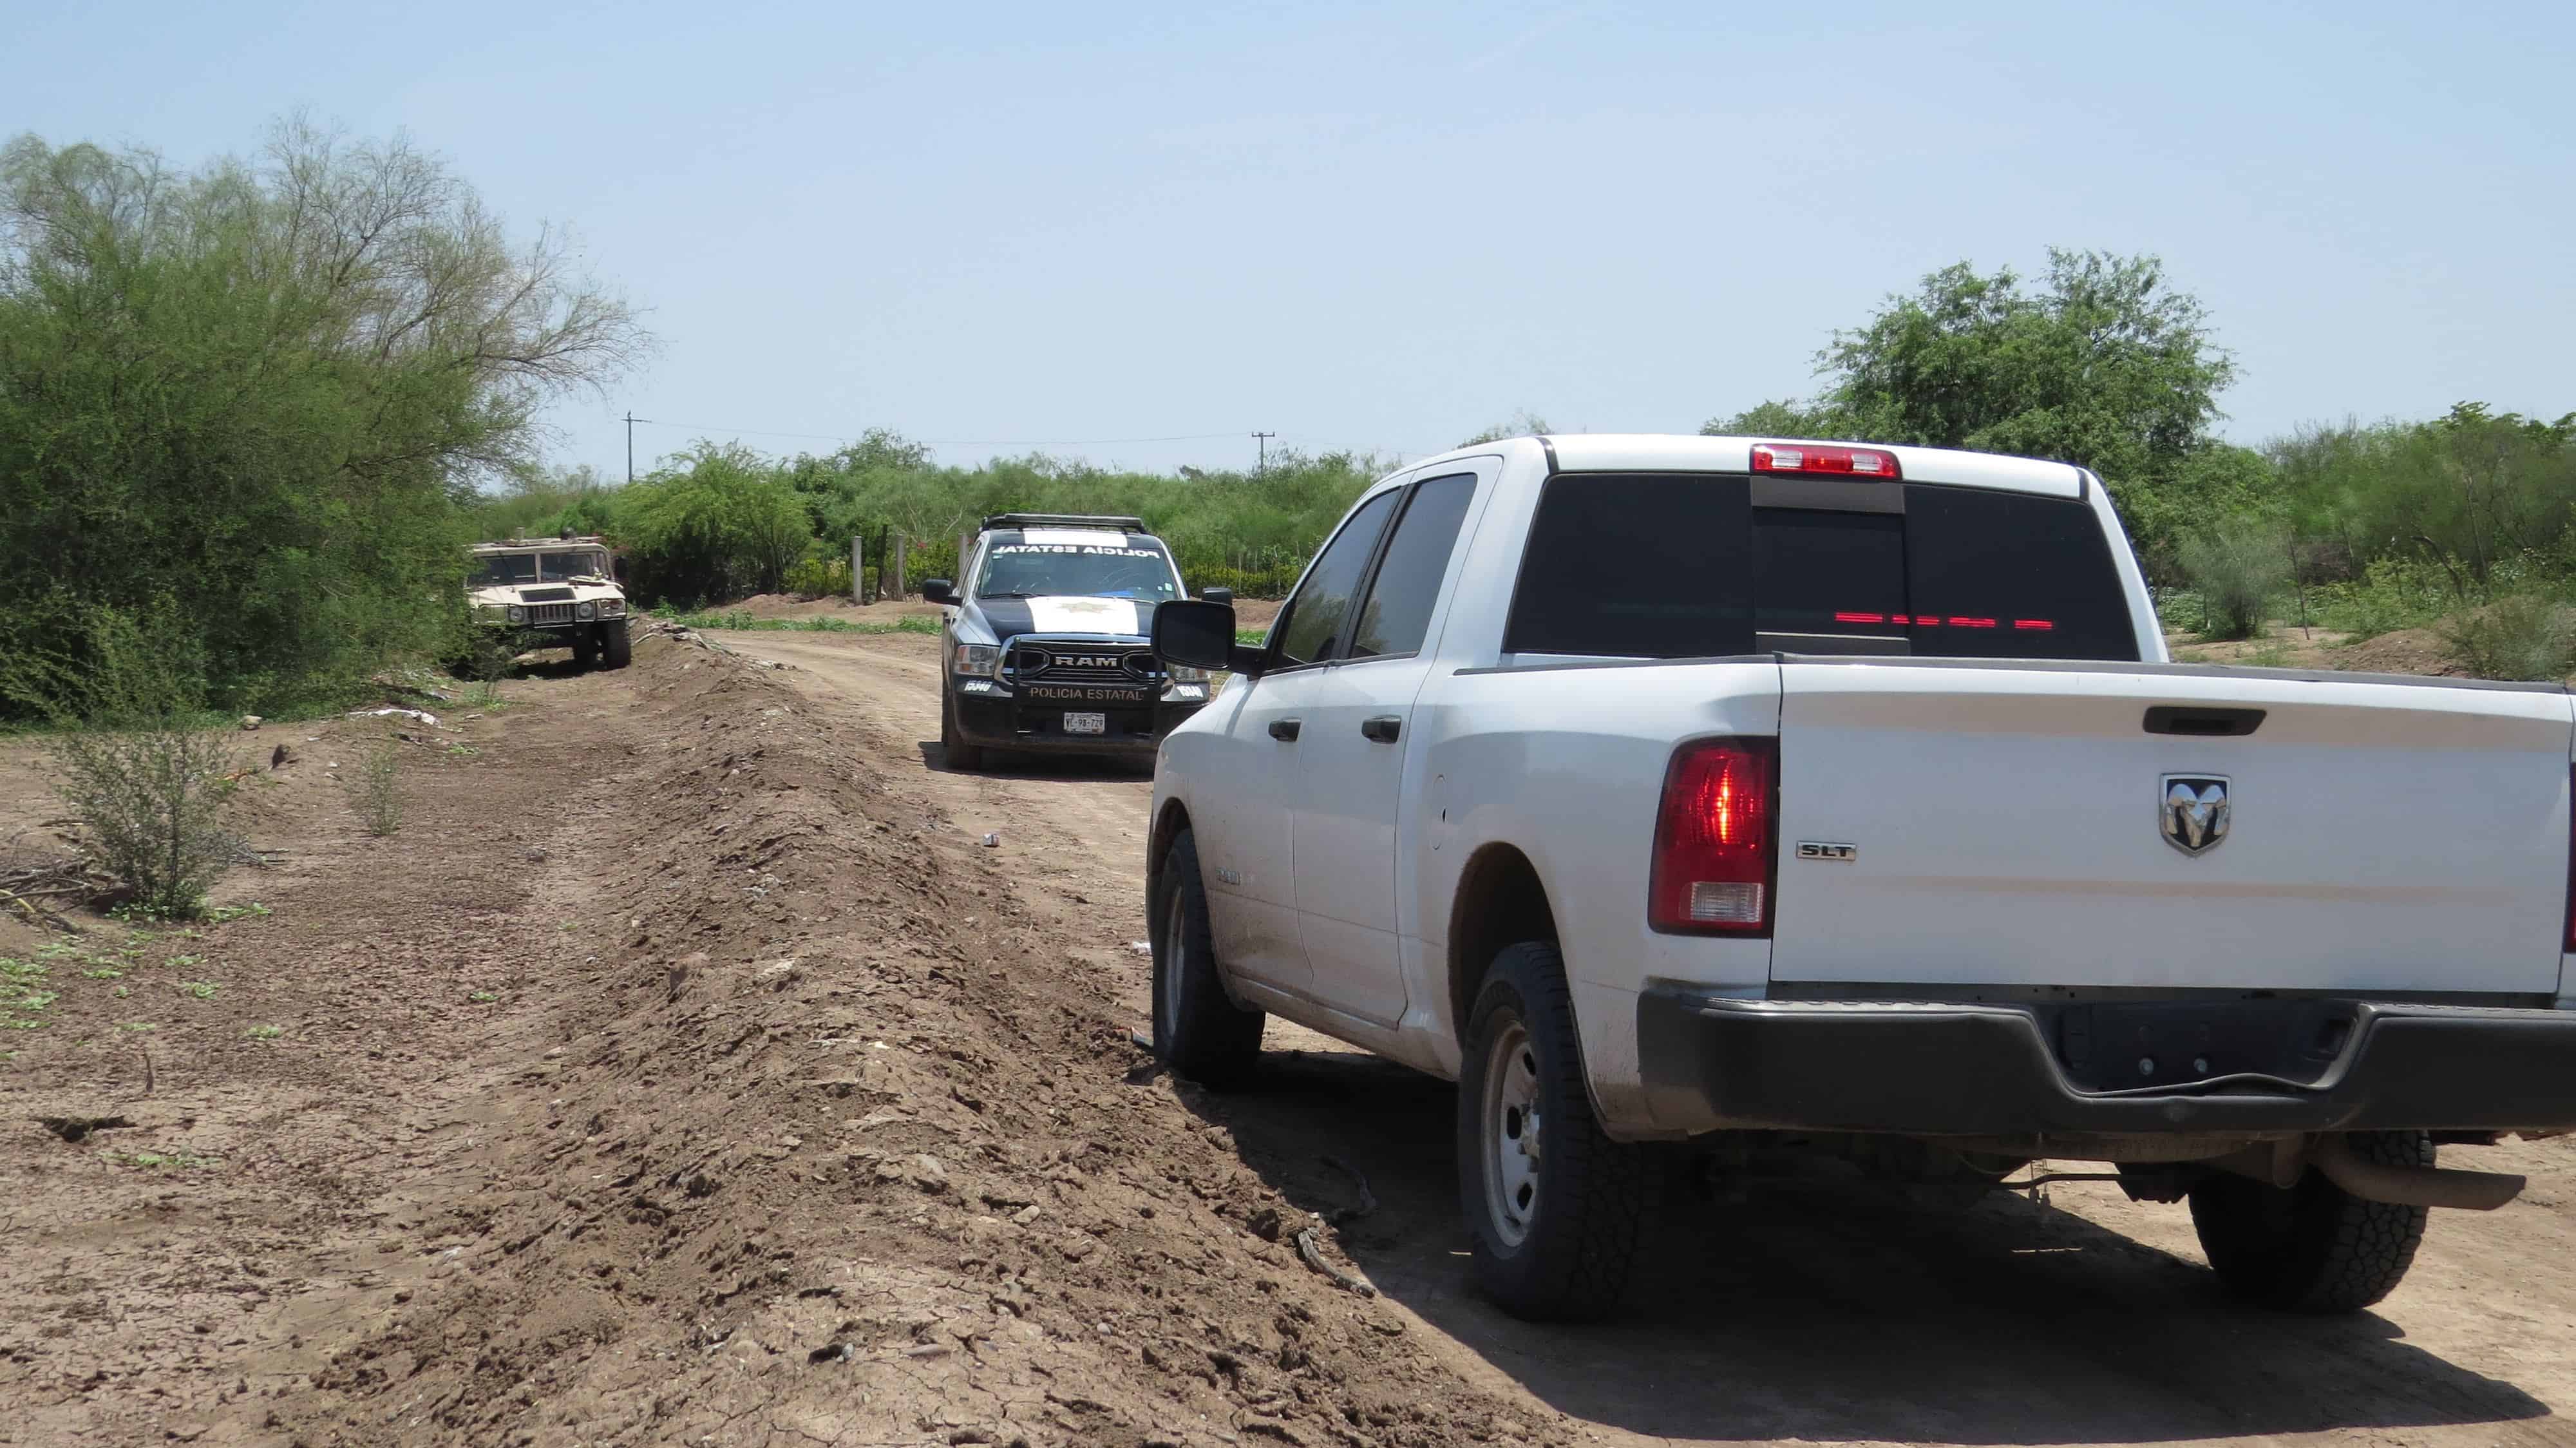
(2406, 651)
(831, 1148)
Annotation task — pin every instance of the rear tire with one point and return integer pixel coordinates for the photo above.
(1198, 1030)
(2313, 1247)
(1553, 1232)
(616, 648)
(954, 751)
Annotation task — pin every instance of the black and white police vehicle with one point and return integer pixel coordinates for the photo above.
(1045, 643)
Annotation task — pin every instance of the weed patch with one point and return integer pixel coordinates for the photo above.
(737, 619)
(22, 997)
(380, 798)
(171, 1160)
(2518, 637)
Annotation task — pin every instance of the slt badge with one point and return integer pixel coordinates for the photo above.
(2193, 811)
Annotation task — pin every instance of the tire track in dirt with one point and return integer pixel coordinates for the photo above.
(1830, 1311)
(797, 1116)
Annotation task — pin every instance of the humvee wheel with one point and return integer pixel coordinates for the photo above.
(619, 649)
(585, 648)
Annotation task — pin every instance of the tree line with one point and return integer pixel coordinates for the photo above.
(250, 412)
(245, 411)
(718, 521)
(2100, 361)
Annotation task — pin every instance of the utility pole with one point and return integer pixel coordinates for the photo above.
(630, 447)
(1263, 439)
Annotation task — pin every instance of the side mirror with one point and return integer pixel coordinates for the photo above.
(939, 590)
(1218, 595)
(1200, 635)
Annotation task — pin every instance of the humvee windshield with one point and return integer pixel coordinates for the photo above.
(493, 570)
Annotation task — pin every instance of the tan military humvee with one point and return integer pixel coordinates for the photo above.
(550, 593)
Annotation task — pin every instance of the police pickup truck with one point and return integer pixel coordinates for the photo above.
(1044, 645)
(1764, 797)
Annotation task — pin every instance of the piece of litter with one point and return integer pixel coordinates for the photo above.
(1141, 947)
(993, 841)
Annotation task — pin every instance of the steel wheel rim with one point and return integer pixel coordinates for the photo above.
(1167, 1006)
(1513, 1137)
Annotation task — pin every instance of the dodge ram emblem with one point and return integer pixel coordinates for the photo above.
(2193, 810)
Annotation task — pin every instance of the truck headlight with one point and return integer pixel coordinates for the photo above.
(1184, 674)
(585, 610)
(981, 659)
(518, 614)
(611, 607)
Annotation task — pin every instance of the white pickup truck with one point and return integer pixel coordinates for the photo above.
(1771, 796)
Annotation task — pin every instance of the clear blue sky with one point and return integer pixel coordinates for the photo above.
(1384, 226)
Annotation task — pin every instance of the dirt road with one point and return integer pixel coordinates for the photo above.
(1826, 1315)
(685, 1070)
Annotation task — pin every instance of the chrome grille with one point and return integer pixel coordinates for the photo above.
(1114, 665)
(550, 613)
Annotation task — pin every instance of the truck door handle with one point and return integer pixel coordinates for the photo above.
(1285, 730)
(2202, 721)
(1384, 728)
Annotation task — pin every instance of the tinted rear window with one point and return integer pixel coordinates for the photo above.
(1684, 566)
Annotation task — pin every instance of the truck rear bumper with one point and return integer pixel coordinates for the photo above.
(1972, 1069)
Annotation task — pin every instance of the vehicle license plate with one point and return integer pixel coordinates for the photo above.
(1086, 723)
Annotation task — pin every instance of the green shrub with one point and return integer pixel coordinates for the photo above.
(2520, 636)
(2391, 594)
(2179, 610)
(143, 766)
(2235, 568)
(1271, 582)
(149, 796)
(380, 797)
(257, 388)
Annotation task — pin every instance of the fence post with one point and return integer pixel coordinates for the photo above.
(858, 574)
(892, 572)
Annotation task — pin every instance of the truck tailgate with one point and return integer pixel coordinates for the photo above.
(2008, 825)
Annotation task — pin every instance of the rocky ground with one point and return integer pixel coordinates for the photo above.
(686, 1069)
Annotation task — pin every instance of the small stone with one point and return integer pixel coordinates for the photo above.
(1028, 1214)
(927, 1172)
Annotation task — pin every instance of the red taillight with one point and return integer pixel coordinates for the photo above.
(2033, 623)
(1714, 840)
(1842, 462)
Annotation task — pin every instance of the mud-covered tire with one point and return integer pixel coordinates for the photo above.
(1554, 1237)
(585, 648)
(2313, 1247)
(1198, 1029)
(616, 646)
(954, 751)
